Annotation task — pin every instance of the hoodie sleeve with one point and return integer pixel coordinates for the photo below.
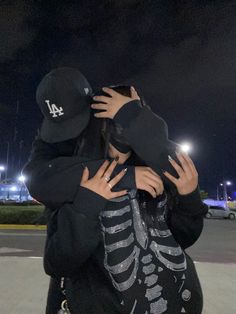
(53, 179)
(186, 219)
(147, 134)
(73, 234)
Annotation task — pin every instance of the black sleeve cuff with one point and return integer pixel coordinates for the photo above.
(89, 203)
(191, 204)
(128, 113)
(128, 180)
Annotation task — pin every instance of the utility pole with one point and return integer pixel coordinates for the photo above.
(217, 193)
(7, 159)
(14, 148)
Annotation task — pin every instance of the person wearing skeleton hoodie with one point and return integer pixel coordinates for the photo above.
(140, 266)
(60, 152)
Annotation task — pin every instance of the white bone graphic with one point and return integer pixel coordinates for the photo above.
(142, 257)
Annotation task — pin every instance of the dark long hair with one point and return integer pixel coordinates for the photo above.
(150, 207)
(93, 144)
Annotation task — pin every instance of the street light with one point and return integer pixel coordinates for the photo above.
(22, 180)
(2, 168)
(225, 184)
(186, 147)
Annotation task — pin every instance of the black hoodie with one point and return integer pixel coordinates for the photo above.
(78, 217)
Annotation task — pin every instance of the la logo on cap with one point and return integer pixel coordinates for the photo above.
(54, 110)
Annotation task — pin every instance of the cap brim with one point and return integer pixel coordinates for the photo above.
(52, 132)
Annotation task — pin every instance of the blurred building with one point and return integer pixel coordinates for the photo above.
(12, 191)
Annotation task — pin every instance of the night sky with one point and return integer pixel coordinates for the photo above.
(181, 55)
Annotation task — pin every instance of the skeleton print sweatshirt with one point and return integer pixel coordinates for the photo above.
(117, 263)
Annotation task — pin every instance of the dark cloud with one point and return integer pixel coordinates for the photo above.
(15, 33)
(180, 54)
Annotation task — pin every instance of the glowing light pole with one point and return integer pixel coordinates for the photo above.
(22, 180)
(225, 184)
(2, 168)
(186, 147)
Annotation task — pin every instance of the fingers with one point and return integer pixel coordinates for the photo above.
(178, 169)
(153, 176)
(102, 169)
(108, 172)
(170, 177)
(118, 194)
(85, 175)
(110, 91)
(153, 172)
(118, 177)
(150, 190)
(190, 163)
(184, 164)
(103, 99)
(154, 180)
(157, 186)
(99, 106)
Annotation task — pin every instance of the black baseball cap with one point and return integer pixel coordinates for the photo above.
(64, 96)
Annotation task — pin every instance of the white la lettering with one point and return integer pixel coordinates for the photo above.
(54, 110)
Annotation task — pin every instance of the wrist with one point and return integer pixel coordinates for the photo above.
(191, 203)
(127, 113)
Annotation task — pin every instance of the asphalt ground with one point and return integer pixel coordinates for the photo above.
(24, 285)
(217, 243)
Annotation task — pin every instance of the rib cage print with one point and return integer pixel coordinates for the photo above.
(137, 258)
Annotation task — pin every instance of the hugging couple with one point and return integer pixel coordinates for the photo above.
(122, 202)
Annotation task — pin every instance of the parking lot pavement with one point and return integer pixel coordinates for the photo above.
(23, 286)
(219, 287)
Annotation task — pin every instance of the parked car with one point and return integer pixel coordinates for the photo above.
(220, 212)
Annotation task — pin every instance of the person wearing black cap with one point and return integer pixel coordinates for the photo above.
(137, 290)
(64, 96)
(56, 164)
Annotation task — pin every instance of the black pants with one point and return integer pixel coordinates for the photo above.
(55, 297)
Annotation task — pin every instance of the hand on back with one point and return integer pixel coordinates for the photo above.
(148, 180)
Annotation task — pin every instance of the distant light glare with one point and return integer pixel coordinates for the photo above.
(228, 183)
(13, 188)
(22, 179)
(2, 168)
(186, 147)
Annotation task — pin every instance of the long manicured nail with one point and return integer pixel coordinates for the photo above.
(125, 170)
(170, 158)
